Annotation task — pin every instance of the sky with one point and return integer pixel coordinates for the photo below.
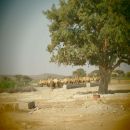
(24, 36)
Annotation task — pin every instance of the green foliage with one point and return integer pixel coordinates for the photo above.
(79, 72)
(128, 74)
(22, 80)
(6, 82)
(93, 31)
(18, 83)
(14, 81)
(119, 72)
(94, 73)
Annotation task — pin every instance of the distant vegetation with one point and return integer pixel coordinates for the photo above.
(94, 73)
(116, 74)
(23, 83)
(120, 74)
(79, 72)
(47, 76)
(128, 74)
(17, 83)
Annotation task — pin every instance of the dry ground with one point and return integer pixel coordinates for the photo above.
(72, 109)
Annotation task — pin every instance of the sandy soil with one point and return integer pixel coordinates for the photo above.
(68, 109)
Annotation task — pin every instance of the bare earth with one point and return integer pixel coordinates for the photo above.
(68, 109)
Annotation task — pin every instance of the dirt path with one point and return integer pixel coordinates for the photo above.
(71, 109)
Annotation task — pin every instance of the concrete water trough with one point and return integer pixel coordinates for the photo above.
(94, 84)
(71, 86)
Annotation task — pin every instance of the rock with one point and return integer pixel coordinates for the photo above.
(96, 96)
(36, 108)
(31, 112)
(31, 105)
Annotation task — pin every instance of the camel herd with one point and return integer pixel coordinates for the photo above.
(58, 83)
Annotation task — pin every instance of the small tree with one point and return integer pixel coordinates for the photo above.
(94, 31)
(22, 80)
(79, 72)
(95, 73)
(119, 72)
(128, 74)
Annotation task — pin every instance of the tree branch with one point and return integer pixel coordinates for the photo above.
(119, 62)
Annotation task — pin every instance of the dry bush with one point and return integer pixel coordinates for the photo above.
(18, 89)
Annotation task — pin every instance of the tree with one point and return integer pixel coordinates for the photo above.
(23, 80)
(93, 31)
(79, 72)
(95, 73)
(119, 72)
(128, 74)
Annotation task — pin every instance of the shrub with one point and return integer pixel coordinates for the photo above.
(128, 74)
(7, 84)
(21, 89)
(22, 80)
(11, 84)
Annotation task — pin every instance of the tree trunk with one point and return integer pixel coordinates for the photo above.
(105, 75)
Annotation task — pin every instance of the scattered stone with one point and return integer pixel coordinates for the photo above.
(31, 105)
(96, 96)
(31, 112)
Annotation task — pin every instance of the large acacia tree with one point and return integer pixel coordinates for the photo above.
(93, 31)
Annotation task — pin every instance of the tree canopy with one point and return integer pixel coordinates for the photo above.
(79, 72)
(119, 72)
(94, 73)
(93, 31)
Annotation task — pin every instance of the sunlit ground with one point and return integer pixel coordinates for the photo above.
(71, 109)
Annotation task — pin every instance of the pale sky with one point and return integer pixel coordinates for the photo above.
(24, 37)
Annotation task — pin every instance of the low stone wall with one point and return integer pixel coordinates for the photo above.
(21, 106)
(9, 107)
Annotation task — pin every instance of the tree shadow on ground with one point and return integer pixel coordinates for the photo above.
(119, 91)
(109, 92)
